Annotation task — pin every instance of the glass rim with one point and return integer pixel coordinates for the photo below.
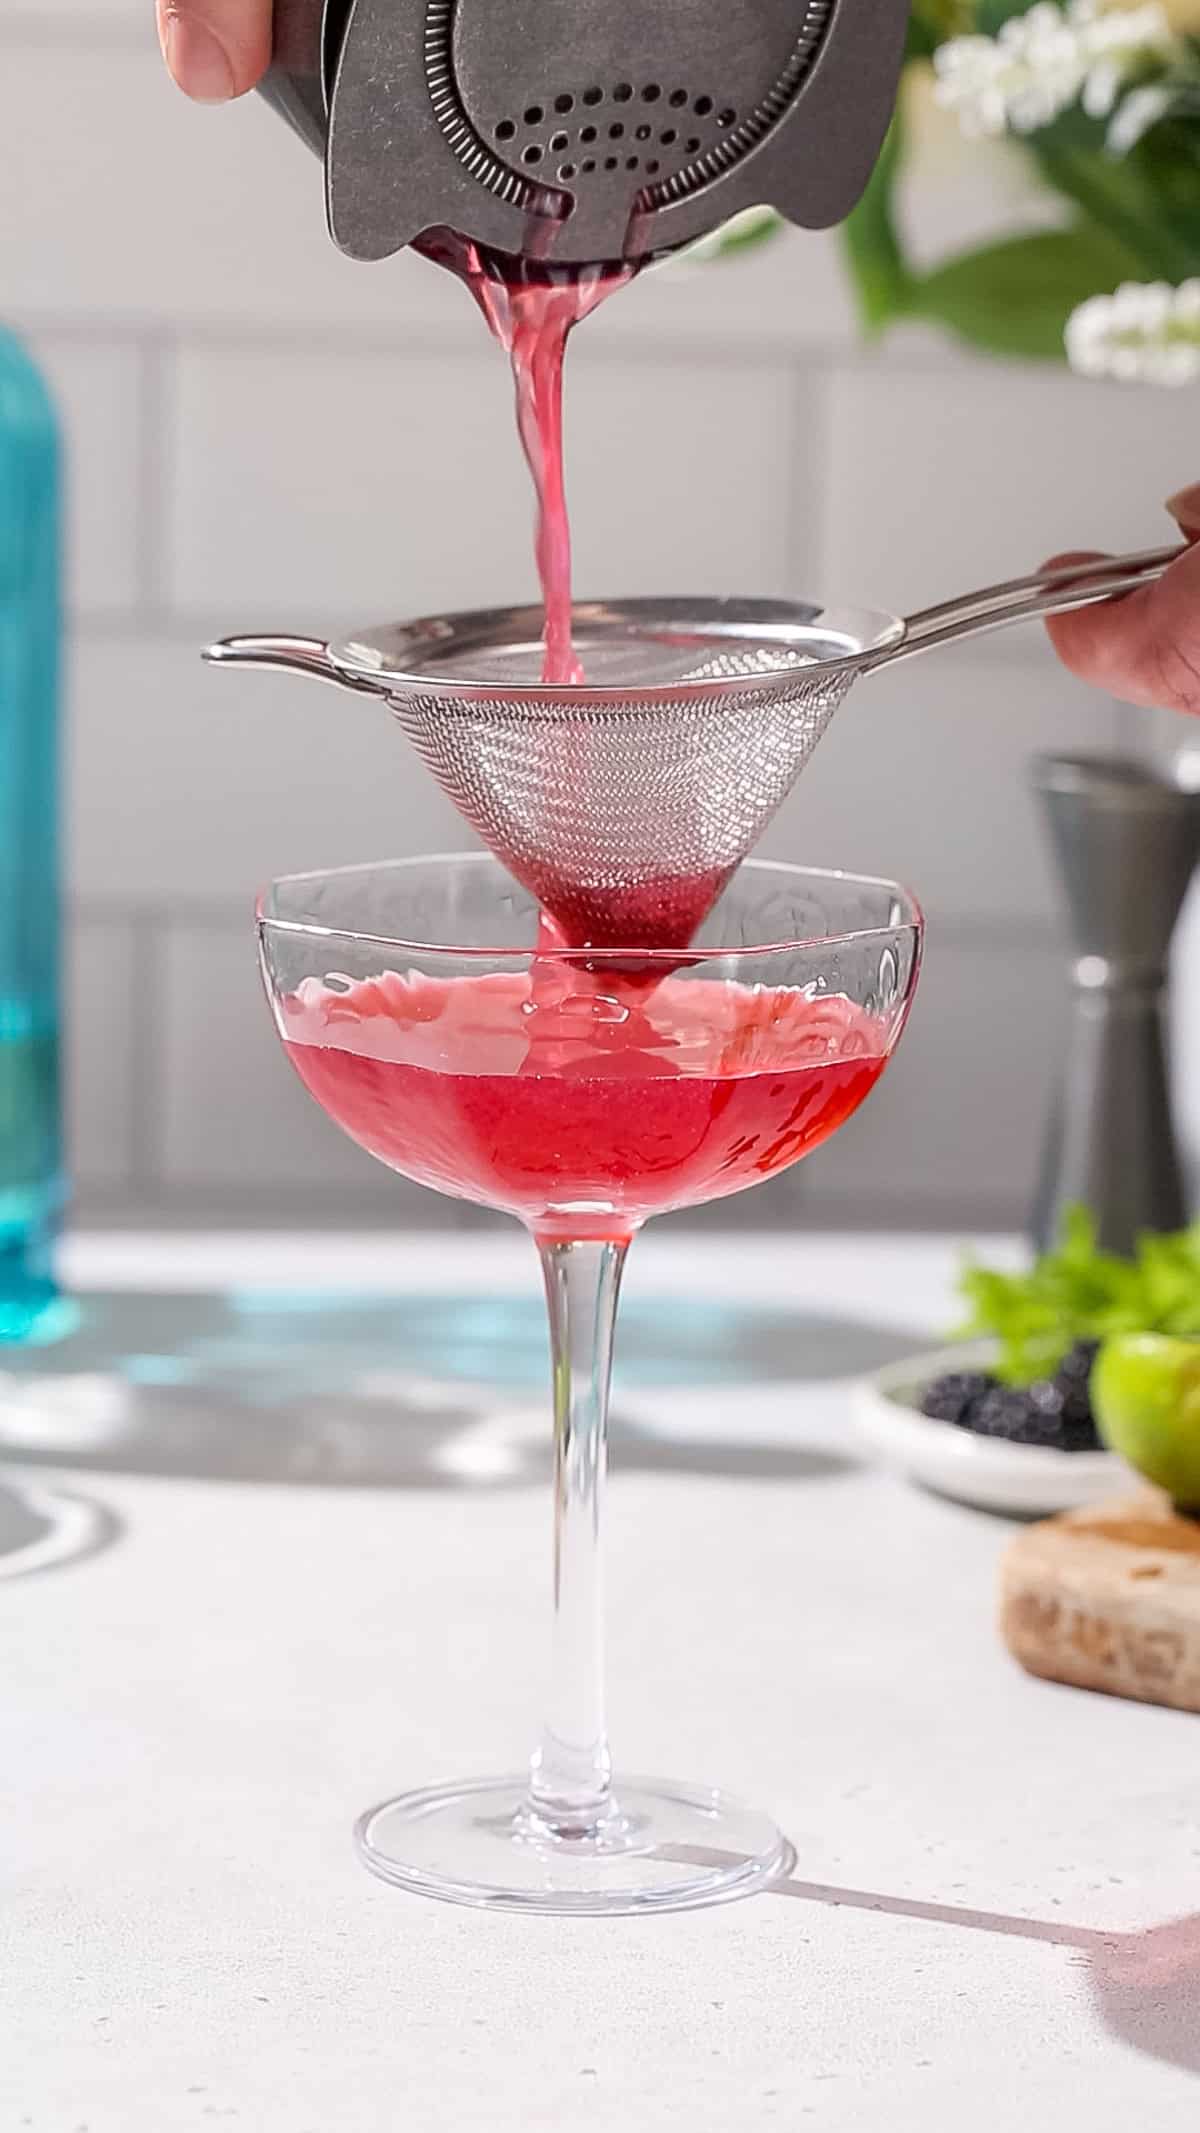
(312, 929)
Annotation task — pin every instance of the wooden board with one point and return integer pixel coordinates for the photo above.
(1109, 1598)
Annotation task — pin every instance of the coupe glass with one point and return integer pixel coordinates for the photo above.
(430, 1013)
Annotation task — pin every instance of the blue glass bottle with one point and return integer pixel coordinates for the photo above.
(31, 1175)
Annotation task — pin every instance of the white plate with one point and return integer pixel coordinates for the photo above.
(1025, 1480)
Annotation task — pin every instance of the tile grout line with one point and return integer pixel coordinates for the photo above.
(366, 339)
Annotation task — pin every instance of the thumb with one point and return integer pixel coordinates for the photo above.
(1185, 510)
(215, 49)
(1144, 648)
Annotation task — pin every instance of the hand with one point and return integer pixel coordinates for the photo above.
(215, 48)
(1145, 648)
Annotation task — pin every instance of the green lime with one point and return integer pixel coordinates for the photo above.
(1145, 1390)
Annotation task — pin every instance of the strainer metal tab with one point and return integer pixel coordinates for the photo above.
(625, 803)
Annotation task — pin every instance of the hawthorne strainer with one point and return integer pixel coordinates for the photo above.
(625, 804)
(590, 130)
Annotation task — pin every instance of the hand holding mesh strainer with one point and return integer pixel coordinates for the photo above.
(625, 804)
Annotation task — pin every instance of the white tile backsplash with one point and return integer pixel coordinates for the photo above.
(324, 485)
(193, 784)
(101, 1062)
(681, 475)
(950, 477)
(924, 774)
(234, 1116)
(790, 293)
(264, 434)
(99, 387)
(955, 1126)
(151, 208)
(314, 486)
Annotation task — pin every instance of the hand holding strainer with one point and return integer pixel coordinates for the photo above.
(625, 804)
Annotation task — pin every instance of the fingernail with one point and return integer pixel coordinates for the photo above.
(198, 60)
(1184, 506)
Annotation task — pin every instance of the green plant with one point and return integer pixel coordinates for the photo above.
(1104, 102)
(1077, 1292)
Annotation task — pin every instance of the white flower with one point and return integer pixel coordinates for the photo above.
(1147, 333)
(1144, 107)
(1137, 113)
(1047, 59)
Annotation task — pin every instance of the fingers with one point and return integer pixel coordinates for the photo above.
(215, 49)
(1185, 510)
(1145, 648)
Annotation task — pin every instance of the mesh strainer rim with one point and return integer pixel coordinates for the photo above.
(913, 922)
(364, 657)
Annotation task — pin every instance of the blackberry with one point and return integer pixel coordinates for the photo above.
(1074, 1376)
(1079, 1424)
(1045, 1401)
(1007, 1411)
(949, 1399)
(1054, 1412)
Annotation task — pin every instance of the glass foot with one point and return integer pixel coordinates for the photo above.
(662, 1847)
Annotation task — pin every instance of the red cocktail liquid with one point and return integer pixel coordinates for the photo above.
(592, 1105)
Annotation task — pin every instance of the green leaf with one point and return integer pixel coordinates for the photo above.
(991, 15)
(871, 241)
(1077, 1292)
(929, 25)
(1131, 198)
(1014, 298)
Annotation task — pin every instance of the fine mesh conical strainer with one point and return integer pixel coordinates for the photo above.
(624, 804)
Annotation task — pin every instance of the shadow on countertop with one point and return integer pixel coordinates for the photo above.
(413, 1392)
(44, 1527)
(1145, 1985)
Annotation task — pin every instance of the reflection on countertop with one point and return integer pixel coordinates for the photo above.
(414, 1391)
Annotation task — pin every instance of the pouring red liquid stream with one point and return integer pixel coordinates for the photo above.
(531, 310)
(532, 319)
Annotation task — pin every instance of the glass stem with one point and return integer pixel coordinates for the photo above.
(571, 1775)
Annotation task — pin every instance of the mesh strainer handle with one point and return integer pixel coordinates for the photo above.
(284, 655)
(1046, 592)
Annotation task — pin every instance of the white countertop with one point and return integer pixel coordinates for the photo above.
(995, 1919)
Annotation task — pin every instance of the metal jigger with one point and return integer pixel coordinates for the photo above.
(1126, 840)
